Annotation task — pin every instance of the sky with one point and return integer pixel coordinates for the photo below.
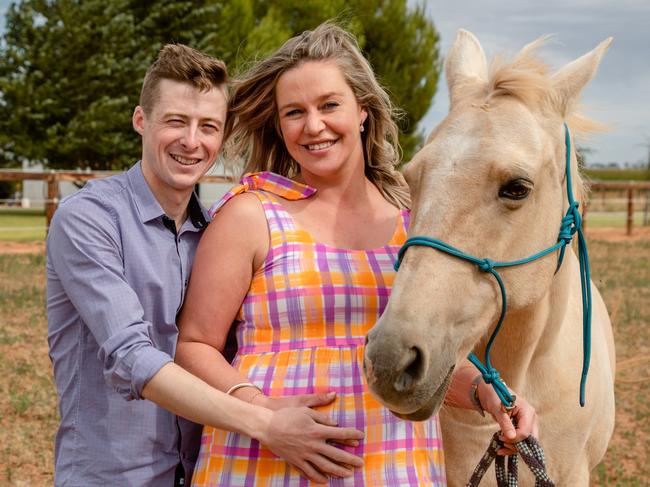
(619, 95)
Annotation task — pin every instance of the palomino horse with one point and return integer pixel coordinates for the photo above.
(491, 181)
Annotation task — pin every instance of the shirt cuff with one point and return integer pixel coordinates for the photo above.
(148, 363)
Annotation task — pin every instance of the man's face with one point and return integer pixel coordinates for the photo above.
(181, 137)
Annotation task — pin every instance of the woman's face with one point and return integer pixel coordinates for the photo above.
(320, 119)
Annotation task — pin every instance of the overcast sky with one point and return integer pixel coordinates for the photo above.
(620, 93)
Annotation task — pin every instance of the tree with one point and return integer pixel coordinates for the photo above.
(581, 155)
(70, 70)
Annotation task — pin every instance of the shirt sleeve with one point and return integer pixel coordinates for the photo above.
(84, 253)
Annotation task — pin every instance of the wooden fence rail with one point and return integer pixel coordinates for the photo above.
(631, 187)
(53, 178)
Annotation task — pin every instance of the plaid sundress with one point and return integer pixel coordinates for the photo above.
(301, 329)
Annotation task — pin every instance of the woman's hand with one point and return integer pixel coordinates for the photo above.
(302, 437)
(516, 424)
(301, 400)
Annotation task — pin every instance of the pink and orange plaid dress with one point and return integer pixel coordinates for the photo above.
(301, 329)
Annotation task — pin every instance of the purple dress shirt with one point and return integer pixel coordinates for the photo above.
(117, 272)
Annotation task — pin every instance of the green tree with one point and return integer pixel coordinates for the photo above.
(70, 70)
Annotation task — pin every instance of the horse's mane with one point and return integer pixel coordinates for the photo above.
(528, 78)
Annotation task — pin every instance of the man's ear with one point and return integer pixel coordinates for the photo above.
(138, 120)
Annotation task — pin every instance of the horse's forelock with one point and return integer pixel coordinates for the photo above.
(526, 77)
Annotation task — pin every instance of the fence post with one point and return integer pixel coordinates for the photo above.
(52, 198)
(630, 210)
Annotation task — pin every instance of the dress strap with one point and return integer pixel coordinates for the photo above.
(402, 228)
(266, 181)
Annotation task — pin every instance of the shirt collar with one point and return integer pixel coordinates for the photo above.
(197, 213)
(148, 207)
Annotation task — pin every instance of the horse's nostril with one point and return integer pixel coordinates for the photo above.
(415, 367)
(412, 371)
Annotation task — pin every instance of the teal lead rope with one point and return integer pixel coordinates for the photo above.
(571, 224)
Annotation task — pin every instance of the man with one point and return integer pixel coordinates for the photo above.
(119, 254)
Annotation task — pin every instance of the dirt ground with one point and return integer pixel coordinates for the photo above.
(21, 247)
(618, 234)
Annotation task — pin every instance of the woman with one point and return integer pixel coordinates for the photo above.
(300, 256)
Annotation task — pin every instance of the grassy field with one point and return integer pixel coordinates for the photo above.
(27, 398)
(22, 225)
(28, 403)
(612, 220)
(617, 174)
(622, 273)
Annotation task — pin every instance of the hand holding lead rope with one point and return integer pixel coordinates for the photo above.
(532, 454)
(518, 423)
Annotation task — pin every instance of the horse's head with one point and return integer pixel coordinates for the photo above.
(490, 181)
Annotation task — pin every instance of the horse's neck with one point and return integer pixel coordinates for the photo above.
(533, 331)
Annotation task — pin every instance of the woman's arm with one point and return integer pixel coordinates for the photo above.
(464, 392)
(232, 247)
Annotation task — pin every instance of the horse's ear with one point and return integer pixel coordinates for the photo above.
(465, 65)
(569, 81)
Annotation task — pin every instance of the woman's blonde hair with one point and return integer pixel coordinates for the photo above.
(253, 124)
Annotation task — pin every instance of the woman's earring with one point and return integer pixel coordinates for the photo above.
(361, 128)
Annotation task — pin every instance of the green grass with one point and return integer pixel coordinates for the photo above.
(22, 225)
(617, 174)
(29, 226)
(612, 220)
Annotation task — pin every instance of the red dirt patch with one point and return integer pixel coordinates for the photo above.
(22, 247)
(619, 234)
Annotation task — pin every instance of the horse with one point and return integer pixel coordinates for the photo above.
(491, 180)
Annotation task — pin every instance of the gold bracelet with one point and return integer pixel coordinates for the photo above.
(240, 385)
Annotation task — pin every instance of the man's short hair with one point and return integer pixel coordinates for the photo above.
(178, 62)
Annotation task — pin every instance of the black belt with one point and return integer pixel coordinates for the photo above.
(179, 476)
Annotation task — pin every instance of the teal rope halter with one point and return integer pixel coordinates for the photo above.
(571, 224)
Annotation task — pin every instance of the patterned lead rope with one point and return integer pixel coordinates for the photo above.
(529, 449)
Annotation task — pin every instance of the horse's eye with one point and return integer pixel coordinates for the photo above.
(516, 189)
